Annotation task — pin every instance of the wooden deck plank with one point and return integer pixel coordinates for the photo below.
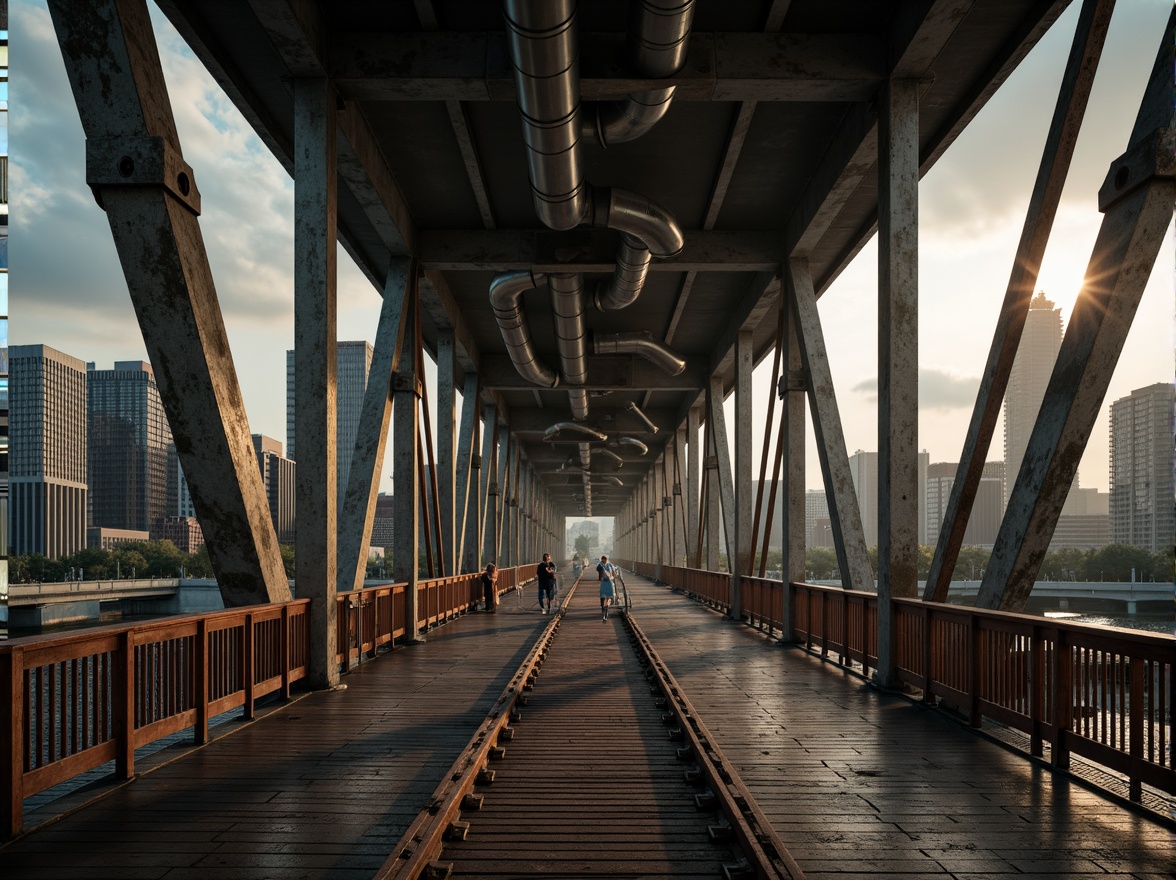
(860, 783)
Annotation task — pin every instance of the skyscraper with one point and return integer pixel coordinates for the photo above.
(987, 509)
(353, 363)
(1032, 368)
(863, 467)
(277, 476)
(47, 461)
(128, 441)
(1141, 501)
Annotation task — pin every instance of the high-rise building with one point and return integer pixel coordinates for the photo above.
(1028, 380)
(183, 531)
(127, 447)
(47, 461)
(179, 496)
(1141, 503)
(278, 478)
(863, 467)
(987, 508)
(1085, 522)
(818, 529)
(353, 362)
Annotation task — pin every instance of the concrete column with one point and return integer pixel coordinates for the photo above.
(447, 449)
(793, 437)
(152, 202)
(363, 484)
(315, 202)
(405, 474)
(744, 469)
(898, 360)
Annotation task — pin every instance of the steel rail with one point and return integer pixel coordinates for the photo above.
(766, 856)
(415, 855)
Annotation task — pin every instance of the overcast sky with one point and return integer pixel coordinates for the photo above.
(68, 291)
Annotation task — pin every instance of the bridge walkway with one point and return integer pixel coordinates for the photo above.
(861, 784)
(857, 783)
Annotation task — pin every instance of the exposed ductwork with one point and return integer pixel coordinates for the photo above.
(567, 303)
(636, 410)
(640, 343)
(554, 431)
(632, 441)
(658, 33)
(616, 481)
(506, 298)
(610, 454)
(647, 230)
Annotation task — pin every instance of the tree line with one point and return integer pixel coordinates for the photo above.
(139, 559)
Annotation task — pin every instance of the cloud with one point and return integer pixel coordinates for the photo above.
(938, 390)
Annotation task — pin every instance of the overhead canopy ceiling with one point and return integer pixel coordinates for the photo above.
(768, 151)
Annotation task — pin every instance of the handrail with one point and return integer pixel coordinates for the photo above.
(1103, 693)
(73, 702)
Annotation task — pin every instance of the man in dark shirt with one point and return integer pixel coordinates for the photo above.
(546, 575)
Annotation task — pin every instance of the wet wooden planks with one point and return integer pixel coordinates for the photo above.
(321, 789)
(590, 784)
(861, 784)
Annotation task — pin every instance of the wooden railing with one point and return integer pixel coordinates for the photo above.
(1102, 693)
(75, 702)
(79, 701)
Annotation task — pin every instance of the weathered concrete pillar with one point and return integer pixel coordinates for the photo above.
(793, 437)
(694, 460)
(898, 360)
(367, 461)
(447, 449)
(406, 472)
(136, 168)
(744, 485)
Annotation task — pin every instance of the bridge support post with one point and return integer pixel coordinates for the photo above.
(405, 473)
(693, 486)
(845, 518)
(793, 437)
(898, 361)
(739, 553)
(315, 402)
(447, 449)
(137, 172)
(468, 487)
(1136, 199)
(363, 482)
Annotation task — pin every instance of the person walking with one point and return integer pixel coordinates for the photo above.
(546, 577)
(607, 573)
(490, 586)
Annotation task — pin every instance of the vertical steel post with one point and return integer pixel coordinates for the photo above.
(739, 553)
(406, 472)
(447, 449)
(898, 361)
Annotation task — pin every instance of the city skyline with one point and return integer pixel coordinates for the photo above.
(971, 208)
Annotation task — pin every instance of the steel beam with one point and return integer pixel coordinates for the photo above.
(694, 474)
(853, 559)
(898, 361)
(605, 373)
(726, 489)
(406, 486)
(446, 465)
(739, 552)
(1136, 199)
(1047, 191)
(468, 464)
(363, 484)
(792, 436)
(137, 172)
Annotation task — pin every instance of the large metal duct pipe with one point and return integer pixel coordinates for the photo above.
(610, 454)
(632, 441)
(586, 464)
(647, 230)
(658, 32)
(567, 303)
(506, 298)
(616, 481)
(636, 410)
(554, 431)
(639, 343)
(541, 35)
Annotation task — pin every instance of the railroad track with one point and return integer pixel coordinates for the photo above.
(598, 766)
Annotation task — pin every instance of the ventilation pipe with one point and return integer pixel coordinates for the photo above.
(640, 343)
(506, 298)
(567, 303)
(541, 35)
(552, 432)
(632, 441)
(658, 33)
(608, 452)
(586, 464)
(616, 481)
(636, 410)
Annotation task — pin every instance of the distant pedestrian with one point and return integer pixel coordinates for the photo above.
(490, 586)
(607, 573)
(546, 577)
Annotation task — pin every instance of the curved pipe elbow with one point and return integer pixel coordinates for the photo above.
(634, 442)
(554, 431)
(506, 299)
(639, 343)
(642, 218)
(618, 122)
